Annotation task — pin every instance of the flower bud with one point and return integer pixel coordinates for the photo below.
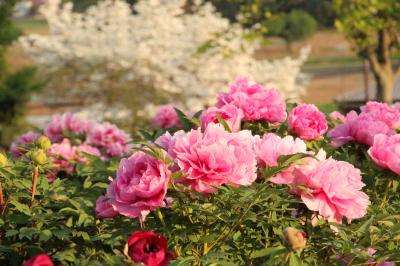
(3, 160)
(39, 156)
(44, 142)
(295, 239)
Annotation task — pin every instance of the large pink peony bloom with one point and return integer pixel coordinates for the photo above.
(111, 140)
(140, 186)
(17, 146)
(383, 112)
(104, 208)
(386, 152)
(230, 113)
(361, 128)
(307, 122)
(334, 189)
(62, 154)
(166, 117)
(216, 157)
(64, 125)
(271, 147)
(256, 102)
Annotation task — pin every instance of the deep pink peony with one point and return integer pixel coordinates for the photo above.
(140, 186)
(383, 112)
(307, 122)
(166, 117)
(256, 102)
(17, 146)
(361, 128)
(104, 208)
(66, 124)
(216, 157)
(271, 147)
(385, 152)
(334, 189)
(39, 260)
(111, 140)
(230, 113)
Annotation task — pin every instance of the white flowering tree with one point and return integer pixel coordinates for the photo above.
(192, 53)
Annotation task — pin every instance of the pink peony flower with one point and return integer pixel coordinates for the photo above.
(361, 128)
(385, 152)
(104, 209)
(271, 147)
(167, 142)
(256, 102)
(39, 260)
(17, 146)
(383, 112)
(232, 115)
(166, 117)
(336, 116)
(111, 140)
(307, 122)
(85, 148)
(334, 190)
(216, 157)
(64, 125)
(140, 186)
(62, 154)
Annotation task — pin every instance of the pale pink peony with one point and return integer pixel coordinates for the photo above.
(104, 208)
(64, 125)
(166, 117)
(385, 152)
(111, 140)
(140, 186)
(230, 113)
(271, 147)
(361, 128)
(333, 189)
(256, 102)
(383, 112)
(307, 122)
(17, 147)
(216, 157)
(336, 116)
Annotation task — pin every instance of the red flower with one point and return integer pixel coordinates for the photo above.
(149, 248)
(39, 260)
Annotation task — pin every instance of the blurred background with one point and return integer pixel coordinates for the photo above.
(118, 60)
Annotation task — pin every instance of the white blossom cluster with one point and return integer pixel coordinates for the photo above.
(189, 50)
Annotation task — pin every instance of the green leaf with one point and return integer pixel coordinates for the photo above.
(186, 123)
(223, 123)
(287, 160)
(45, 235)
(21, 207)
(182, 261)
(268, 252)
(294, 260)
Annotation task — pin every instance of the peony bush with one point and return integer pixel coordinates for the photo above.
(250, 181)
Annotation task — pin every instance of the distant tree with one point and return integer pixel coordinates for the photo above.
(15, 88)
(374, 28)
(288, 19)
(292, 26)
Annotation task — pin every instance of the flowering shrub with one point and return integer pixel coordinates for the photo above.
(210, 191)
(163, 46)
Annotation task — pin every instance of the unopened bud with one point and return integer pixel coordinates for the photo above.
(39, 156)
(44, 142)
(3, 160)
(295, 239)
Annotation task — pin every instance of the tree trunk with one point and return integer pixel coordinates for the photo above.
(385, 87)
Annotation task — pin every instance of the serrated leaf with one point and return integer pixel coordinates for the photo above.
(21, 207)
(223, 123)
(267, 252)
